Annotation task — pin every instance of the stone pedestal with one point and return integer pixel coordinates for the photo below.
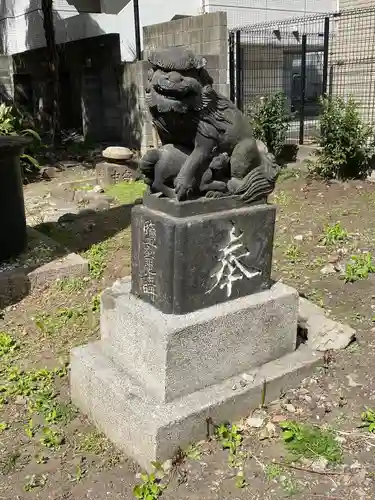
(195, 333)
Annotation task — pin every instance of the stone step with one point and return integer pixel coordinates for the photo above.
(174, 355)
(148, 430)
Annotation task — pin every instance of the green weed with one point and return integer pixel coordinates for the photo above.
(127, 192)
(273, 471)
(95, 303)
(293, 253)
(30, 429)
(3, 426)
(359, 267)
(51, 438)
(230, 438)
(71, 285)
(52, 324)
(151, 487)
(281, 198)
(8, 462)
(193, 452)
(368, 419)
(97, 256)
(7, 344)
(95, 443)
(35, 481)
(304, 440)
(333, 234)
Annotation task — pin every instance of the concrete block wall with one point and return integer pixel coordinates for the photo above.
(206, 35)
(136, 126)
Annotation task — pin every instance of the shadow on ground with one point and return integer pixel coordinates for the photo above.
(77, 233)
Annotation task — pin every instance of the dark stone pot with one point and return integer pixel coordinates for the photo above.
(13, 235)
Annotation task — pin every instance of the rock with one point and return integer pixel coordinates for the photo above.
(255, 422)
(290, 408)
(263, 434)
(351, 380)
(271, 429)
(117, 153)
(167, 465)
(323, 333)
(278, 418)
(20, 401)
(298, 237)
(356, 465)
(97, 189)
(48, 172)
(248, 377)
(328, 269)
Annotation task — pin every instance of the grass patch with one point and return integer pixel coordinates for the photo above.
(368, 419)
(7, 344)
(126, 192)
(359, 267)
(293, 253)
(281, 198)
(97, 255)
(71, 285)
(52, 324)
(307, 441)
(94, 443)
(334, 234)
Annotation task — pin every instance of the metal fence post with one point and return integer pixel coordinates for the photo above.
(325, 55)
(231, 67)
(238, 71)
(303, 89)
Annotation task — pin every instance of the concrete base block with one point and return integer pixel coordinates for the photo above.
(175, 355)
(147, 429)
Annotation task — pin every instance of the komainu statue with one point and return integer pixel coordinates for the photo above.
(208, 148)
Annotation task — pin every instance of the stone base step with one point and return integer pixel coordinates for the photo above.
(148, 430)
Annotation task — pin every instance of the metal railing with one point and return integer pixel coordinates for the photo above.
(306, 58)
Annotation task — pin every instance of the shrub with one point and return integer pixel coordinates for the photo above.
(13, 122)
(346, 142)
(270, 120)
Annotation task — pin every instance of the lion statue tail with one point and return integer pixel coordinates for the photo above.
(259, 182)
(147, 165)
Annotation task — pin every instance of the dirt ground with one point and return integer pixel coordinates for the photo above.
(49, 451)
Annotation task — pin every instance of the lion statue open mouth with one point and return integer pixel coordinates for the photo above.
(208, 147)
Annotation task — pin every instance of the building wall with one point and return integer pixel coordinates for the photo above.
(246, 12)
(352, 57)
(77, 19)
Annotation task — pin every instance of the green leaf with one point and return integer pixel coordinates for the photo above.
(31, 160)
(137, 491)
(288, 435)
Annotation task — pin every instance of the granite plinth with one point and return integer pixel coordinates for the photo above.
(191, 255)
(172, 356)
(148, 430)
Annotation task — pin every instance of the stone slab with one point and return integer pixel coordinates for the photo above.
(43, 262)
(111, 173)
(323, 333)
(203, 259)
(171, 356)
(148, 430)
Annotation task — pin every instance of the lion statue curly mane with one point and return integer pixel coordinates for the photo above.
(208, 147)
